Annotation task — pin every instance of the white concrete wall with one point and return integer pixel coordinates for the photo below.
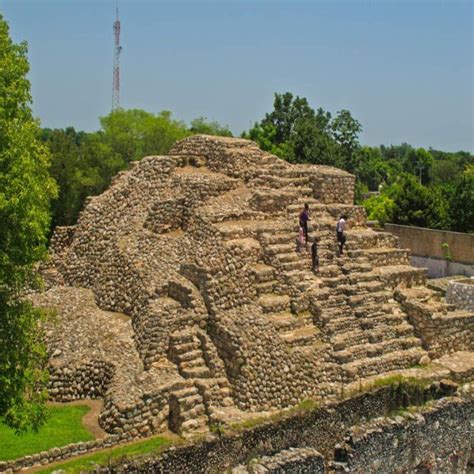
(440, 268)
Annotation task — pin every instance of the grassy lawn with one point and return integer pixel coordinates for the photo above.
(87, 462)
(62, 427)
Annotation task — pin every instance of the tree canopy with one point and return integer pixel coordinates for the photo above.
(419, 187)
(25, 192)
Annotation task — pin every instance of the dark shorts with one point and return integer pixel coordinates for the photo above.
(341, 238)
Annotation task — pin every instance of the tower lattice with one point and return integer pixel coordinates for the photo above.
(116, 73)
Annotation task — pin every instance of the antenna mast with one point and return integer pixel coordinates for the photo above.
(116, 73)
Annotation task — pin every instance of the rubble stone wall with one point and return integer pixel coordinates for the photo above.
(320, 429)
(438, 439)
(61, 239)
(461, 294)
(439, 331)
(292, 461)
(89, 380)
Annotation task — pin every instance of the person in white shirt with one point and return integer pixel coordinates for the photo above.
(341, 236)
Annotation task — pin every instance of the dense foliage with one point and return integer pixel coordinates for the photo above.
(418, 186)
(84, 163)
(25, 192)
(427, 188)
(297, 133)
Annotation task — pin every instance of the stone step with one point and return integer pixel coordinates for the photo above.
(373, 308)
(337, 300)
(347, 339)
(286, 321)
(333, 282)
(197, 362)
(353, 268)
(195, 426)
(275, 249)
(393, 275)
(245, 228)
(265, 287)
(388, 256)
(368, 350)
(272, 303)
(340, 325)
(379, 333)
(306, 285)
(301, 336)
(303, 279)
(182, 337)
(385, 332)
(262, 273)
(329, 271)
(189, 402)
(368, 239)
(332, 313)
(185, 392)
(272, 181)
(279, 238)
(299, 264)
(380, 320)
(290, 257)
(296, 208)
(196, 372)
(356, 277)
(376, 296)
(189, 355)
(365, 288)
(186, 347)
(385, 363)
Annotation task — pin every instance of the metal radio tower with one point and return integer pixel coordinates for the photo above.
(116, 76)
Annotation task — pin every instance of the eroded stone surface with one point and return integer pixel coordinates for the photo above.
(182, 299)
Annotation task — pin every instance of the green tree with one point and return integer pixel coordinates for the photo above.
(345, 130)
(25, 192)
(419, 163)
(380, 208)
(202, 125)
(287, 111)
(295, 132)
(265, 136)
(414, 203)
(312, 144)
(371, 169)
(134, 133)
(461, 206)
(65, 146)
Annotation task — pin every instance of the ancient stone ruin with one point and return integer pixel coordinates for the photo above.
(183, 303)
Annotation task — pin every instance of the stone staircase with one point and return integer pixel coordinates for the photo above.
(286, 309)
(205, 389)
(368, 331)
(187, 411)
(365, 328)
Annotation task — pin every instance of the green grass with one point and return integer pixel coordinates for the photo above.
(401, 381)
(63, 426)
(151, 445)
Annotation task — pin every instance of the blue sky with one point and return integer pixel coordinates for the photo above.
(403, 68)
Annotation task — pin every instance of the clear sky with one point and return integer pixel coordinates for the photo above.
(403, 68)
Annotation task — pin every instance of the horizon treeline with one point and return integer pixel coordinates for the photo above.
(411, 186)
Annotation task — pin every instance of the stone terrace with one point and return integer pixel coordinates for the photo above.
(183, 302)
